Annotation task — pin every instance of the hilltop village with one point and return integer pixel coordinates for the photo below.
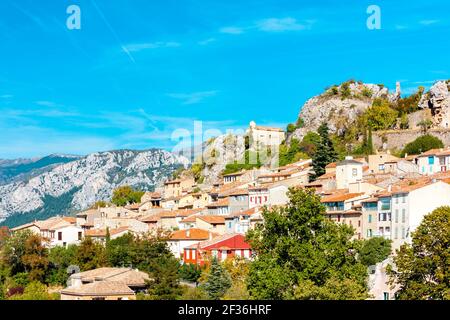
(380, 195)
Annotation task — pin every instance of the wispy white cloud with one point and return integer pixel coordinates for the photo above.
(428, 22)
(136, 47)
(7, 96)
(232, 30)
(207, 41)
(283, 24)
(271, 25)
(194, 97)
(401, 27)
(46, 103)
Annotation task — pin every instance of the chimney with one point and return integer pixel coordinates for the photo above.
(348, 158)
(210, 236)
(188, 233)
(390, 188)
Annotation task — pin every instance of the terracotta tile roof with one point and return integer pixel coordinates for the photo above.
(331, 175)
(212, 219)
(435, 152)
(215, 240)
(152, 218)
(238, 192)
(179, 213)
(192, 234)
(331, 165)
(190, 219)
(340, 197)
(370, 200)
(248, 212)
(100, 288)
(88, 212)
(131, 277)
(221, 203)
(53, 223)
(102, 232)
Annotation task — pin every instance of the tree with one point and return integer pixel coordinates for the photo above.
(374, 250)
(291, 128)
(381, 116)
(190, 272)
(310, 143)
(90, 255)
(422, 144)
(35, 258)
(422, 269)
(238, 270)
(13, 250)
(126, 195)
(165, 282)
(300, 254)
(325, 153)
(60, 258)
(100, 204)
(425, 125)
(34, 291)
(217, 281)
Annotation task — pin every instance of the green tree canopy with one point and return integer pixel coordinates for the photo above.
(422, 269)
(126, 195)
(422, 144)
(325, 153)
(374, 250)
(301, 255)
(165, 280)
(381, 116)
(217, 282)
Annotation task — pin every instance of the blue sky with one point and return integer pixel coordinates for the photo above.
(137, 70)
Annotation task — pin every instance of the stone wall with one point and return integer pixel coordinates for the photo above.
(397, 139)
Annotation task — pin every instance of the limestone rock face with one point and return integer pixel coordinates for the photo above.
(78, 184)
(438, 101)
(336, 110)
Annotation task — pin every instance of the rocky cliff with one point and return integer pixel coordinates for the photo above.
(339, 105)
(78, 184)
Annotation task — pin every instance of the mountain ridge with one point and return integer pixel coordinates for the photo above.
(88, 179)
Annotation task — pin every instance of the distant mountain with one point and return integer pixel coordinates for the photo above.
(22, 169)
(64, 188)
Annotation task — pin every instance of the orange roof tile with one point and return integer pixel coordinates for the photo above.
(192, 234)
(212, 219)
(340, 197)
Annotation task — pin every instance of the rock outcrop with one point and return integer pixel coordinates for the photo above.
(438, 101)
(82, 182)
(339, 108)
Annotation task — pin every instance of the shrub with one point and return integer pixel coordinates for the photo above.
(422, 144)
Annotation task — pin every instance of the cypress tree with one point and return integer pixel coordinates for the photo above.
(325, 153)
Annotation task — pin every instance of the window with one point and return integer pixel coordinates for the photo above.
(381, 167)
(396, 199)
(369, 233)
(194, 253)
(403, 232)
(404, 199)
(80, 236)
(354, 172)
(59, 236)
(403, 215)
(188, 254)
(396, 233)
(224, 254)
(370, 218)
(386, 295)
(431, 160)
(381, 231)
(396, 215)
(359, 223)
(339, 218)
